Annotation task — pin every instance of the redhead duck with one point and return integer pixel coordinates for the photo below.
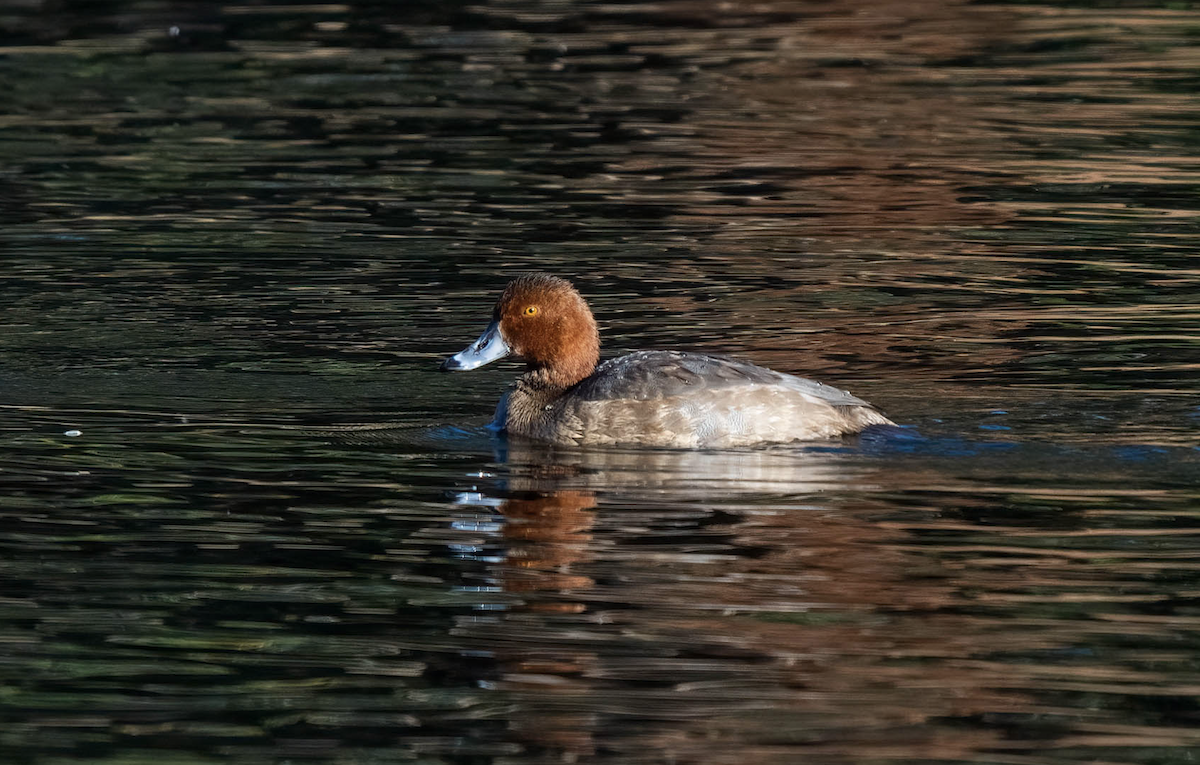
(648, 398)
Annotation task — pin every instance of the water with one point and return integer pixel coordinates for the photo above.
(244, 520)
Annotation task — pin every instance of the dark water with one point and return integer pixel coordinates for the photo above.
(243, 520)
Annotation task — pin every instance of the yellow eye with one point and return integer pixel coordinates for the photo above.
(531, 310)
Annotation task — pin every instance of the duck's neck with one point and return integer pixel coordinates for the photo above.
(565, 367)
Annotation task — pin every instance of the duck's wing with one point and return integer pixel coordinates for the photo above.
(648, 375)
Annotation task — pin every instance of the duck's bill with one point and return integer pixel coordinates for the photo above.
(488, 348)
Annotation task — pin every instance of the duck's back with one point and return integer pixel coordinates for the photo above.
(674, 399)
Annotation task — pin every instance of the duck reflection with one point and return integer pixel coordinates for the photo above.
(551, 495)
(724, 605)
(546, 534)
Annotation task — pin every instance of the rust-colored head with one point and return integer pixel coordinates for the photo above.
(543, 320)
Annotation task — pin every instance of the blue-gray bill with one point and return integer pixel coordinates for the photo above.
(488, 348)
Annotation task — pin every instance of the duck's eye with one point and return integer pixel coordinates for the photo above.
(531, 310)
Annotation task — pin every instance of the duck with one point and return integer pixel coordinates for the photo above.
(668, 398)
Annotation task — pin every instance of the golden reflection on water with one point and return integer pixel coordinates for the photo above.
(785, 589)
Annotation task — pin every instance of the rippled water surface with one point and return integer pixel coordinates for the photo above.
(244, 520)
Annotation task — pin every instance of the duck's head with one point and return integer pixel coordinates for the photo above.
(543, 320)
